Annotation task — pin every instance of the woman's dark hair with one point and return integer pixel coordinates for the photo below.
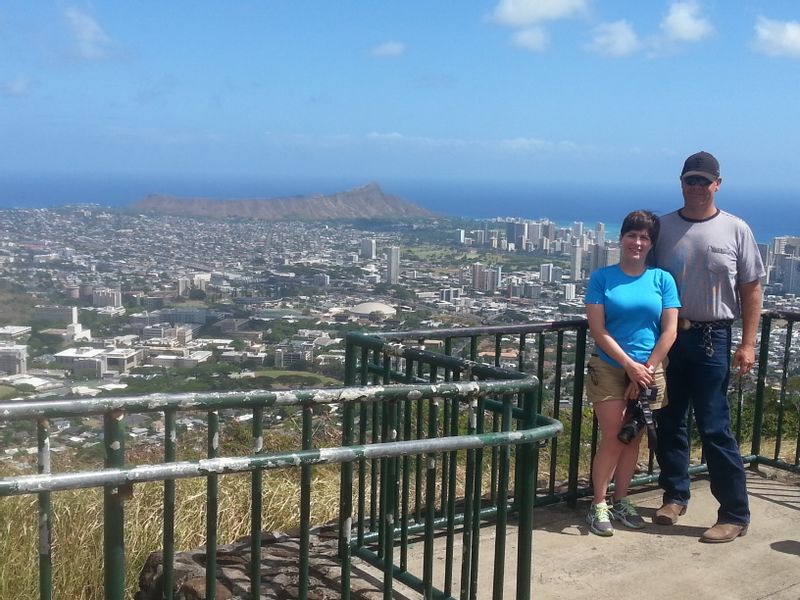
(641, 219)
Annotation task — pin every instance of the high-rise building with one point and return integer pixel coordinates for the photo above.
(368, 250)
(577, 228)
(516, 230)
(767, 259)
(106, 297)
(322, 280)
(393, 265)
(494, 278)
(791, 275)
(449, 294)
(576, 260)
(478, 277)
(569, 291)
(546, 272)
(13, 359)
(184, 284)
(611, 255)
(600, 233)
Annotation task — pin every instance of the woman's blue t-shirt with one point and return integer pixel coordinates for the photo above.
(632, 307)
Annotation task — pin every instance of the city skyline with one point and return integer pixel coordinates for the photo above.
(548, 91)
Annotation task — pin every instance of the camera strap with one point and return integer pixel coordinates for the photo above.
(647, 415)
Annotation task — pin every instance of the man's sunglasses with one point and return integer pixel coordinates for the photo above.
(697, 180)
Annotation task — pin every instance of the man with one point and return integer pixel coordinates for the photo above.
(716, 264)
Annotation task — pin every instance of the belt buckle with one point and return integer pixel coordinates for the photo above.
(684, 324)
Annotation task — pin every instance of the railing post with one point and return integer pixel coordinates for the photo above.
(758, 413)
(170, 455)
(256, 485)
(346, 485)
(212, 503)
(113, 509)
(577, 417)
(45, 514)
(430, 500)
(469, 485)
(346, 502)
(502, 507)
(527, 489)
(787, 353)
(305, 505)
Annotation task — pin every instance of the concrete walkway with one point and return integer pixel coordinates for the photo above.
(657, 562)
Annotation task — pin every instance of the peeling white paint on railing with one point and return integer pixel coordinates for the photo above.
(13, 486)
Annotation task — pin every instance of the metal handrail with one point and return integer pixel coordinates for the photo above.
(118, 480)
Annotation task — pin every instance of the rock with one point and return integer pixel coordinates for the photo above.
(279, 570)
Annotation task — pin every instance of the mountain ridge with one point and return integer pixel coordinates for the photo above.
(365, 202)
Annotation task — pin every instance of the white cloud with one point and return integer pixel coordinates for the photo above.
(778, 38)
(533, 38)
(615, 39)
(521, 13)
(397, 140)
(155, 136)
(684, 23)
(389, 49)
(17, 87)
(91, 42)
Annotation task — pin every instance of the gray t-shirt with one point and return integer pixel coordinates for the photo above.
(708, 259)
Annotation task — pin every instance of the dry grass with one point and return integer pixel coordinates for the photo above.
(78, 517)
(78, 535)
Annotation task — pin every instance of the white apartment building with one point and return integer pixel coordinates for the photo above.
(13, 359)
(393, 265)
(106, 297)
(368, 249)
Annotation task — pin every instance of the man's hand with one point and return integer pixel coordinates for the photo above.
(744, 358)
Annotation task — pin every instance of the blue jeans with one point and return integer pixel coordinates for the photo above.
(702, 381)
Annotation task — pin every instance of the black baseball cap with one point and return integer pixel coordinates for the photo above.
(702, 164)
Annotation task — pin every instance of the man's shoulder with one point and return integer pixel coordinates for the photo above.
(671, 218)
(733, 219)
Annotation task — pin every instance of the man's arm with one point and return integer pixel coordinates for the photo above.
(750, 295)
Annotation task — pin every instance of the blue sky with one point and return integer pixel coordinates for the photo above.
(551, 91)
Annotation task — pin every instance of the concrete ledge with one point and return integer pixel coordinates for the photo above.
(661, 562)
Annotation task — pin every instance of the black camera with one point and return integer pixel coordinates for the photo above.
(639, 416)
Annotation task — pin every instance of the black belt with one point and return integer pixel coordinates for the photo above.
(686, 324)
(706, 327)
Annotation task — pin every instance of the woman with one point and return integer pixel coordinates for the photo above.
(633, 317)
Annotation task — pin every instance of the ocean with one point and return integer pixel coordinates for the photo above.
(769, 213)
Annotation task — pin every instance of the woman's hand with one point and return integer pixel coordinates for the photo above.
(639, 374)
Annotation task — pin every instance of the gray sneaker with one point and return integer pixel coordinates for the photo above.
(625, 512)
(599, 520)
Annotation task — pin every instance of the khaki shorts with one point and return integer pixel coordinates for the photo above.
(607, 382)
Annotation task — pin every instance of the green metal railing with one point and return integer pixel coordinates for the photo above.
(765, 406)
(465, 437)
(429, 500)
(784, 382)
(553, 352)
(119, 480)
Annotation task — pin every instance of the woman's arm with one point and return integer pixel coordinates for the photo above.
(637, 372)
(669, 331)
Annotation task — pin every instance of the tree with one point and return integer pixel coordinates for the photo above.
(197, 294)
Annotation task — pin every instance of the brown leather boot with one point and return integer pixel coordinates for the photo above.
(723, 532)
(668, 513)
